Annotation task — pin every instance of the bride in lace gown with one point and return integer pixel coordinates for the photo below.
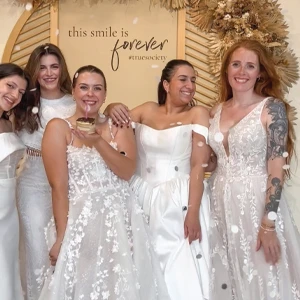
(13, 86)
(101, 249)
(254, 241)
(172, 155)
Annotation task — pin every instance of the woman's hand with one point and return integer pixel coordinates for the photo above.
(270, 243)
(192, 228)
(119, 113)
(54, 252)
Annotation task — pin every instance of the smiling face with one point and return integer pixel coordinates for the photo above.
(89, 93)
(49, 74)
(182, 85)
(12, 89)
(243, 70)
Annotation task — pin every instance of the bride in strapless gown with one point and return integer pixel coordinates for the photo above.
(11, 151)
(162, 184)
(171, 138)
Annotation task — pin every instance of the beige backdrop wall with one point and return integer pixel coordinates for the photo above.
(9, 15)
(130, 43)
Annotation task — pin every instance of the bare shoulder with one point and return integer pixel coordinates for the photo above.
(143, 110)
(57, 122)
(213, 110)
(57, 125)
(199, 109)
(148, 105)
(200, 115)
(137, 112)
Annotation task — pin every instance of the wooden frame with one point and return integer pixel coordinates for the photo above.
(181, 21)
(22, 35)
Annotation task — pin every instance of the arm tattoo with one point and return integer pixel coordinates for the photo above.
(278, 129)
(274, 197)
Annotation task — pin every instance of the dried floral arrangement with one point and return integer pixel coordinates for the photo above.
(227, 21)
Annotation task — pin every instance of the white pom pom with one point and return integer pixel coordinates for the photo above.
(219, 137)
(35, 110)
(200, 144)
(286, 167)
(28, 6)
(285, 154)
(234, 229)
(272, 215)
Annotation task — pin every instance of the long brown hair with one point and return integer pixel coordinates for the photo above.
(29, 120)
(269, 84)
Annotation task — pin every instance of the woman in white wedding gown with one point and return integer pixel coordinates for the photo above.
(52, 92)
(172, 148)
(13, 86)
(101, 249)
(255, 245)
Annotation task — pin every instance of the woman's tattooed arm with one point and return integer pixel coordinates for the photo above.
(277, 133)
(277, 128)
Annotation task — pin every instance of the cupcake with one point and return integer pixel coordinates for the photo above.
(86, 124)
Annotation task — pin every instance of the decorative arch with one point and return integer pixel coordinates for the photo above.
(33, 28)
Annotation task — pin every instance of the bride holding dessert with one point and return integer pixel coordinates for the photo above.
(98, 239)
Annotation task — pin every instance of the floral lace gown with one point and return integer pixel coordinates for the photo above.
(238, 189)
(106, 253)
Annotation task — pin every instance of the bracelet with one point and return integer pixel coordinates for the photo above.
(267, 225)
(269, 229)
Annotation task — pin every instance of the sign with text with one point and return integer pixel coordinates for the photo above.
(130, 43)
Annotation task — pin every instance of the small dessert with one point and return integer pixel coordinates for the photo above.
(86, 124)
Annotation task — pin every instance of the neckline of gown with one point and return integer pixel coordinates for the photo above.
(178, 126)
(242, 119)
(228, 154)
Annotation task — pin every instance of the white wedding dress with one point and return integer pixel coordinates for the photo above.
(161, 182)
(238, 195)
(106, 253)
(34, 199)
(11, 151)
